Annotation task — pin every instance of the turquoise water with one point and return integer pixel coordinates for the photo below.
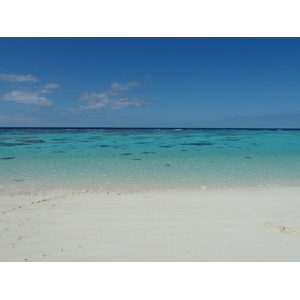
(149, 157)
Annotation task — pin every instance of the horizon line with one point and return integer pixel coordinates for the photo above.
(149, 128)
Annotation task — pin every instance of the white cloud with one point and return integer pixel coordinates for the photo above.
(31, 96)
(26, 97)
(51, 86)
(93, 105)
(123, 86)
(127, 102)
(18, 78)
(113, 104)
(45, 89)
(91, 96)
(113, 98)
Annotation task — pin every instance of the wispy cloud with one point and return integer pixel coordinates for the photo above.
(116, 97)
(113, 104)
(31, 96)
(123, 86)
(51, 86)
(45, 89)
(26, 97)
(18, 78)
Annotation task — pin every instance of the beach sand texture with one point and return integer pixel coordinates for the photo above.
(243, 224)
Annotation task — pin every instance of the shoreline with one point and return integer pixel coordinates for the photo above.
(214, 224)
(17, 187)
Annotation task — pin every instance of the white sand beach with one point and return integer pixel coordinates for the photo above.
(60, 225)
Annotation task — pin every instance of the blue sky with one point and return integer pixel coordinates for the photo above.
(150, 82)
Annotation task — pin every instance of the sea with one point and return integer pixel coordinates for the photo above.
(149, 157)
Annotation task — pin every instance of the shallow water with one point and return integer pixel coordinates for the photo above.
(149, 157)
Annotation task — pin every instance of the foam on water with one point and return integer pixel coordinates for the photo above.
(149, 157)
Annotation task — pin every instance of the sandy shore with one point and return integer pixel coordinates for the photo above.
(244, 224)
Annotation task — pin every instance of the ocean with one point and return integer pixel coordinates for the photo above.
(157, 157)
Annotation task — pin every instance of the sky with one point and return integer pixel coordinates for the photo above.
(195, 82)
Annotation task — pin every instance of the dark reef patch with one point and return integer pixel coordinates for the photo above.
(104, 146)
(17, 138)
(30, 141)
(60, 139)
(95, 138)
(13, 144)
(231, 139)
(59, 151)
(198, 144)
